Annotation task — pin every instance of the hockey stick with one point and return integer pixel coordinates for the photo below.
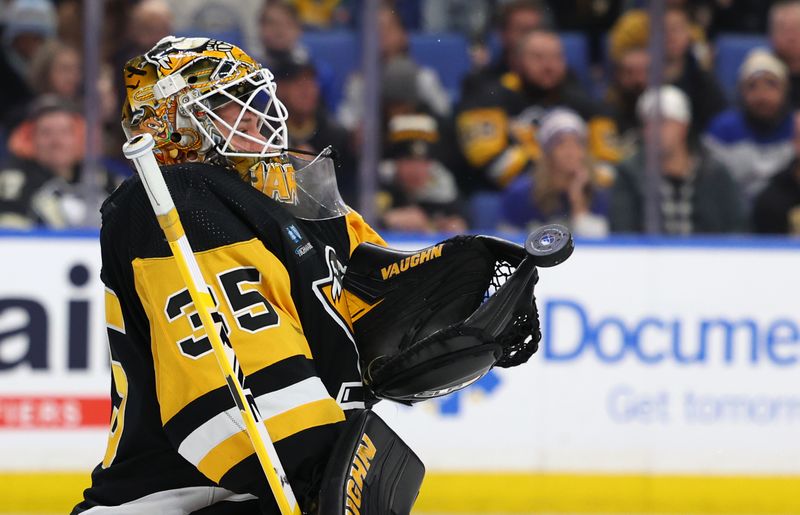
(139, 150)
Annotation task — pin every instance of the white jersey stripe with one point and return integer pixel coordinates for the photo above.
(179, 501)
(226, 424)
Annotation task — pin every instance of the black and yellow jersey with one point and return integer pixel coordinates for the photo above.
(176, 443)
(496, 127)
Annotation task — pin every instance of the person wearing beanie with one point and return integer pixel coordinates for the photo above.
(564, 187)
(754, 139)
(29, 23)
(696, 193)
(418, 194)
(686, 58)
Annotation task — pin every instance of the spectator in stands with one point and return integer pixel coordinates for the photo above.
(754, 141)
(394, 47)
(280, 32)
(29, 23)
(517, 18)
(41, 183)
(564, 187)
(777, 208)
(628, 83)
(784, 33)
(149, 21)
(686, 58)
(696, 194)
(310, 126)
(418, 194)
(57, 69)
(496, 124)
(684, 69)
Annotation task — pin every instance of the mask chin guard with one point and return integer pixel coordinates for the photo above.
(431, 322)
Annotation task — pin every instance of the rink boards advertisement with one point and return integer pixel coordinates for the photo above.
(658, 359)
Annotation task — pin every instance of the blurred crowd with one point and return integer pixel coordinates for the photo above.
(519, 138)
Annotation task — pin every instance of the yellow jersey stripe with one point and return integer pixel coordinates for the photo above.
(225, 456)
(114, 318)
(313, 414)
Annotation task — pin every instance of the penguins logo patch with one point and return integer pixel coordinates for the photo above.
(330, 291)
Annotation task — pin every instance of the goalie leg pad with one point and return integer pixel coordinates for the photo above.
(371, 471)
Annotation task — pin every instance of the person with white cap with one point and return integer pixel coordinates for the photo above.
(564, 187)
(696, 193)
(754, 140)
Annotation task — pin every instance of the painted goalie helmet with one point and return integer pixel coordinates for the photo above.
(207, 101)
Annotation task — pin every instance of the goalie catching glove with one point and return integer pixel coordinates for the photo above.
(430, 322)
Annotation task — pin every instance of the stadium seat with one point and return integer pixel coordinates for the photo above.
(445, 53)
(338, 51)
(731, 52)
(484, 210)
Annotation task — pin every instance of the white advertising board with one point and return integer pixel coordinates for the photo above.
(655, 359)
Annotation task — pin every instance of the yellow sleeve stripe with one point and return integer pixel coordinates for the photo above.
(313, 414)
(114, 318)
(225, 456)
(603, 143)
(237, 447)
(482, 134)
(509, 165)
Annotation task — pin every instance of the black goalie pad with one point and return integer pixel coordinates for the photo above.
(371, 471)
(430, 322)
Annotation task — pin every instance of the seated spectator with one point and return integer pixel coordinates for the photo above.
(57, 69)
(418, 194)
(784, 33)
(29, 23)
(279, 33)
(563, 187)
(310, 126)
(41, 183)
(496, 124)
(754, 141)
(517, 18)
(685, 69)
(686, 59)
(628, 82)
(696, 194)
(394, 46)
(777, 208)
(148, 22)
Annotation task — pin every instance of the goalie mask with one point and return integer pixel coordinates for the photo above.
(207, 101)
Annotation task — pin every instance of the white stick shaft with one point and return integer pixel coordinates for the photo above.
(139, 150)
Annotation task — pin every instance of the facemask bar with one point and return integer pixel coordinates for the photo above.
(271, 118)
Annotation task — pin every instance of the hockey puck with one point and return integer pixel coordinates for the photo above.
(549, 245)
